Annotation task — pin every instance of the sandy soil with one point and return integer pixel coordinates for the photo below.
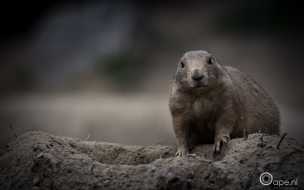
(37, 160)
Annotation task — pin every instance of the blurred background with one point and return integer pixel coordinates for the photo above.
(74, 68)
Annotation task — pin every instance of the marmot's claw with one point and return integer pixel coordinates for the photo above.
(216, 147)
(217, 144)
(182, 152)
(225, 140)
(191, 155)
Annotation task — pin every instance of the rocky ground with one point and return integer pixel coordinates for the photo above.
(37, 160)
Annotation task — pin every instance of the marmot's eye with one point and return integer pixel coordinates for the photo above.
(181, 64)
(210, 61)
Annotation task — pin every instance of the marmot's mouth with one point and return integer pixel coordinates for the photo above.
(199, 84)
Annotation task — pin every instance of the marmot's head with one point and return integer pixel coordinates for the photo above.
(197, 69)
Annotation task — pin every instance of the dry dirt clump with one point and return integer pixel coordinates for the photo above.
(38, 160)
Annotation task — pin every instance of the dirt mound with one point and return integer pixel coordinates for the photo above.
(37, 160)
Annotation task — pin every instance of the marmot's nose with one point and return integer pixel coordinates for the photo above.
(197, 77)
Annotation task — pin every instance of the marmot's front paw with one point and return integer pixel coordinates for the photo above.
(217, 143)
(182, 152)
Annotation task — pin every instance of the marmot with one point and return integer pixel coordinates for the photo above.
(210, 103)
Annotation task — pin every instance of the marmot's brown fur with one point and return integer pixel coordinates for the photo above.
(210, 103)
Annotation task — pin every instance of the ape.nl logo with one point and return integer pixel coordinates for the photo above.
(267, 179)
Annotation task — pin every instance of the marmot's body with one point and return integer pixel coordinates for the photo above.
(210, 103)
